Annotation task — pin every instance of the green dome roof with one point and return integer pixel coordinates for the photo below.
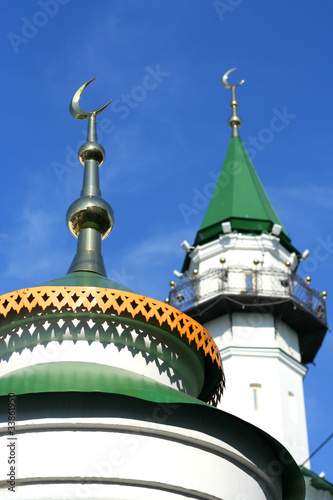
(86, 278)
(72, 376)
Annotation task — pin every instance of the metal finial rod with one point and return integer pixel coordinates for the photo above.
(89, 218)
(91, 179)
(89, 253)
(92, 133)
(234, 121)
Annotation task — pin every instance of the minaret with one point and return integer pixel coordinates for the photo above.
(240, 281)
(109, 393)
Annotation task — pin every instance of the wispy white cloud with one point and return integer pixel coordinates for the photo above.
(147, 267)
(156, 249)
(31, 251)
(321, 196)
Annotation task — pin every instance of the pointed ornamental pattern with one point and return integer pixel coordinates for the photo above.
(75, 302)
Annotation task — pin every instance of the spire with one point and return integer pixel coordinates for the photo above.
(90, 218)
(234, 120)
(239, 196)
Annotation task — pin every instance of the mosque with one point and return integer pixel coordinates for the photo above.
(108, 394)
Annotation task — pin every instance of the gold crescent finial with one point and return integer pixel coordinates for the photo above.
(234, 121)
(225, 80)
(74, 106)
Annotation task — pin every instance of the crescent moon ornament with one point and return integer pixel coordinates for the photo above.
(234, 120)
(225, 80)
(74, 106)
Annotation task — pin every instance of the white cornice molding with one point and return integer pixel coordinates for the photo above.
(238, 241)
(264, 352)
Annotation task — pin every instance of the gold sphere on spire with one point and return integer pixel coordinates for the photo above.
(90, 211)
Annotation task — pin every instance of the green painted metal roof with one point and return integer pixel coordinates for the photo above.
(316, 481)
(239, 195)
(78, 376)
(239, 198)
(86, 278)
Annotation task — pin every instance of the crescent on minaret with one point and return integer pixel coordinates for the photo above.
(225, 80)
(74, 106)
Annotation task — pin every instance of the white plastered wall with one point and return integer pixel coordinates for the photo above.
(260, 356)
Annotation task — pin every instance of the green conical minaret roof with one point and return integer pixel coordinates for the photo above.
(239, 198)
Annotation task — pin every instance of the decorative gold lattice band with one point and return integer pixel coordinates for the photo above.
(117, 302)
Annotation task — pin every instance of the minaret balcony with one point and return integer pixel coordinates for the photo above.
(238, 288)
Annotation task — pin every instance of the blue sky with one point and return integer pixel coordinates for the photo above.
(166, 135)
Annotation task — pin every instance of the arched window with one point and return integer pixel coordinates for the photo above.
(255, 395)
(293, 407)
